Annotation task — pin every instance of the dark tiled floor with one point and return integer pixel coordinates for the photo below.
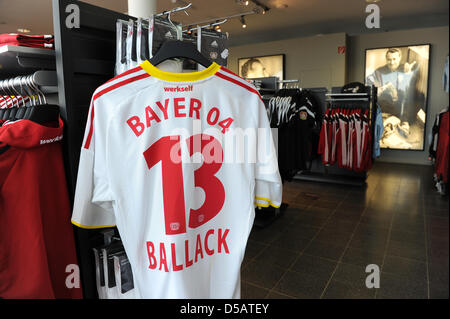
(320, 246)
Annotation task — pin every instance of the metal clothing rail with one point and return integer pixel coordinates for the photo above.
(206, 25)
(347, 94)
(223, 18)
(168, 12)
(40, 81)
(174, 10)
(287, 81)
(347, 97)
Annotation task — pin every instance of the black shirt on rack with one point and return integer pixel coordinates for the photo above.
(296, 114)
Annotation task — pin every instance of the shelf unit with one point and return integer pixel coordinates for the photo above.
(17, 60)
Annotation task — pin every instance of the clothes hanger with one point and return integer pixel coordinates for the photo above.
(43, 113)
(4, 113)
(18, 96)
(179, 49)
(39, 111)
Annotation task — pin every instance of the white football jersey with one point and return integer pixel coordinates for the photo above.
(178, 161)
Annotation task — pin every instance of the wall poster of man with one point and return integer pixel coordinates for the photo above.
(261, 67)
(401, 76)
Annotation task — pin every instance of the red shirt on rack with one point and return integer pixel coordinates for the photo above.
(37, 242)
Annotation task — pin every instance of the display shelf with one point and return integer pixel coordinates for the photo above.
(17, 60)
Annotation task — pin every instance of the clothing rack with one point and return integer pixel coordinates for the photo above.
(267, 87)
(43, 81)
(334, 174)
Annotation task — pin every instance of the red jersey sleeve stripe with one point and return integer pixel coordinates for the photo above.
(228, 71)
(249, 88)
(91, 130)
(119, 84)
(102, 92)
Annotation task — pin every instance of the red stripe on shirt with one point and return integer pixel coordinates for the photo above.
(104, 91)
(91, 130)
(223, 76)
(228, 71)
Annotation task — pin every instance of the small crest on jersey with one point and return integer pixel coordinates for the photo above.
(174, 226)
(201, 218)
(303, 115)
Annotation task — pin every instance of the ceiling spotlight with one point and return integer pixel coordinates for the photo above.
(246, 2)
(244, 25)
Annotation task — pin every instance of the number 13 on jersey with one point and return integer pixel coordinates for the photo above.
(173, 184)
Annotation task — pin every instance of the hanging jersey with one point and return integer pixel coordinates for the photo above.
(323, 148)
(442, 152)
(36, 236)
(350, 138)
(366, 155)
(358, 140)
(158, 162)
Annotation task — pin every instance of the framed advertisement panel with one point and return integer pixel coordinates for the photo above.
(401, 75)
(262, 66)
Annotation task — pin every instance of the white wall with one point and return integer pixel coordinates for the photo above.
(314, 61)
(437, 98)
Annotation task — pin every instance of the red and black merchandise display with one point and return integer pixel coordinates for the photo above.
(345, 139)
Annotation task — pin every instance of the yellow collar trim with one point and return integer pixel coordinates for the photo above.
(180, 77)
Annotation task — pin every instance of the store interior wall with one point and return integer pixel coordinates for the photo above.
(437, 97)
(314, 61)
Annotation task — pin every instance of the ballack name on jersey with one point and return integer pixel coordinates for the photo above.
(179, 107)
(214, 241)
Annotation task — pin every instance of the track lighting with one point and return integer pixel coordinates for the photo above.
(244, 25)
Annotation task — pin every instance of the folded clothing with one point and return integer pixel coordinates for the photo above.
(33, 41)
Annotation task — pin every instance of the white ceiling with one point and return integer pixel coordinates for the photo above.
(286, 18)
